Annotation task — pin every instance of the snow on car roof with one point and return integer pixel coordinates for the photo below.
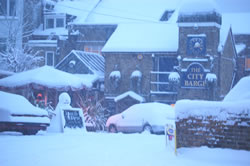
(241, 91)
(16, 104)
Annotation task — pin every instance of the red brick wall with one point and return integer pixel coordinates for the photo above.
(196, 131)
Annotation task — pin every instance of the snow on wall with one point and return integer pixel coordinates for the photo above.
(220, 111)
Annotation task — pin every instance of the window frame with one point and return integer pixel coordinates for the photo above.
(8, 12)
(54, 18)
(53, 58)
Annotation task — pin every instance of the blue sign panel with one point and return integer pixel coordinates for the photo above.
(194, 77)
(196, 46)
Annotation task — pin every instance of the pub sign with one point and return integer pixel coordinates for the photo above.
(194, 77)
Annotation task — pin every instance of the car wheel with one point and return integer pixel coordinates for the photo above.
(147, 129)
(112, 129)
(29, 132)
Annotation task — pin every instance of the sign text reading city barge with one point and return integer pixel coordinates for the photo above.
(194, 77)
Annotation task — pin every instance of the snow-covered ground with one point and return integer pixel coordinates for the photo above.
(105, 149)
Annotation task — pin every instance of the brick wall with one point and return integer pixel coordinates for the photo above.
(232, 131)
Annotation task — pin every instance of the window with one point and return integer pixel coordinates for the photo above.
(94, 49)
(59, 22)
(7, 7)
(165, 65)
(247, 63)
(3, 44)
(49, 23)
(49, 59)
(54, 21)
(166, 15)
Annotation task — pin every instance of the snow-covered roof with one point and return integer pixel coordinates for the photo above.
(12, 104)
(192, 7)
(131, 94)
(240, 47)
(156, 37)
(241, 91)
(94, 62)
(46, 76)
(52, 31)
(6, 73)
(79, 8)
(42, 43)
(113, 11)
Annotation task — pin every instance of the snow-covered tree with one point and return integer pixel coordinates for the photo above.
(18, 27)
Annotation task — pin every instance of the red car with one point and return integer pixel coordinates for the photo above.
(18, 114)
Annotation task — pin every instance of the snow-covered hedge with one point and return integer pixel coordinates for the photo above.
(220, 111)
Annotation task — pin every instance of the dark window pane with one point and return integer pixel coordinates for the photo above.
(12, 10)
(59, 22)
(166, 64)
(49, 23)
(3, 7)
(49, 59)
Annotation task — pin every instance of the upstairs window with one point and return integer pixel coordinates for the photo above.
(94, 49)
(54, 21)
(49, 23)
(166, 15)
(59, 22)
(7, 7)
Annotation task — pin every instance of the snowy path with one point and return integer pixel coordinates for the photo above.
(104, 149)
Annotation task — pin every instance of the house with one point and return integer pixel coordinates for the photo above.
(86, 65)
(44, 85)
(162, 50)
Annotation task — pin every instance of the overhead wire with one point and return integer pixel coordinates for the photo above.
(110, 15)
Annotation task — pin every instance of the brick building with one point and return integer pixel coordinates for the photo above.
(192, 51)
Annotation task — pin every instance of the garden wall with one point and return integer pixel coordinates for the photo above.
(213, 124)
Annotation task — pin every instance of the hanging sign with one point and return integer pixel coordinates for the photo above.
(194, 77)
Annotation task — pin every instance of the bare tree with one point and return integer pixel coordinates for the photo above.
(18, 56)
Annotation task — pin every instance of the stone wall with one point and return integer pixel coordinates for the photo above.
(205, 129)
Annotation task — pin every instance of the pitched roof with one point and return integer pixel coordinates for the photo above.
(95, 62)
(143, 37)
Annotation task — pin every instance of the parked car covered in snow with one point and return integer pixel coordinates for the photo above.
(18, 114)
(149, 117)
